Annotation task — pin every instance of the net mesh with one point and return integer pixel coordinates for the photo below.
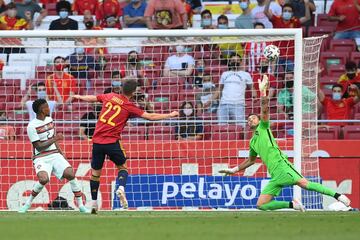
(172, 164)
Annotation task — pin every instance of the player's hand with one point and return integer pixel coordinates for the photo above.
(174, 114)
(59, 136)
(263, 84)
(229, 171)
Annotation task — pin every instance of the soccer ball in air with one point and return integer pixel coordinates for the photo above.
(271, 52)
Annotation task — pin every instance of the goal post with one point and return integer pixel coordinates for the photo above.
(166, 171)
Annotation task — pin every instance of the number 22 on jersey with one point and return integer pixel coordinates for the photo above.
(110, 107)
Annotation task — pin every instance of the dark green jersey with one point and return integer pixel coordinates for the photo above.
(263, 144)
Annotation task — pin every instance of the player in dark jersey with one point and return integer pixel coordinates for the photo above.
(116, 110)
(282, 172)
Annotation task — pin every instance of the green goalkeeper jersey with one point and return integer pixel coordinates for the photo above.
(263, 144)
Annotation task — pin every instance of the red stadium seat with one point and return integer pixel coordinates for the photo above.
(323, 21)
(7, 94)
(328, 81)
(171, 81)
(336, 70)
(135, 133)
(227, 132)
(330, 132)
(51, 8)
(161, 133)
(351, 132)
(320, 31)
(10, 83)
(342, 45)
(161, 107)
(333, 58)
(355, 56)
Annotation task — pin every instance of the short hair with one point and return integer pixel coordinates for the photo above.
(41, 84)
(11, 5)
(250, 114)
(129, 86)
(58, 57)
(259, 24)
(206, 11)
(37, 104)
(63, 4)
(350, 65)
(337, 85)
(223, 17)
(288, 5)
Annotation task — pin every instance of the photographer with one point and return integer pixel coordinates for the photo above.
(141, 100)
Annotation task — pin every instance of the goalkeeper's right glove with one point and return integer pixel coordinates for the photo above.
(230, 171)
(263, 85)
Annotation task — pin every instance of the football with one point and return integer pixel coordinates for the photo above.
(271, 52)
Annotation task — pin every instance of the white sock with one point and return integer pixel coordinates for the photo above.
(122, 188)
(75, 187)
(36, 189)
(94, 203)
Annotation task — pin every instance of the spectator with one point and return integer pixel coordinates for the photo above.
(142, 101)
(206, 20)
(180, 64)
(32, 7)
(245, 20)
(60, 86)
(134, 14)
(338, 108)
(350, 77)
(108, 14)
(199, 73)
(81, 65)
(192, 7)
(299, 8)
(2, 6)
(10, 21)
(135, 70)
(40, 89)
(100, 51)
(227, 49)
(63, 9)
(207, 99)
(285, 97)
(7, 132)
(287, 20)
(116, 82)
(259, 15)
(87, 128)
(190, 129)
(164, 14)
(233, 84)
(347, 14)
(82, 7)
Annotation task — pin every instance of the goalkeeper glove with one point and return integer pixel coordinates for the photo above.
(230, 171)
(263, 85)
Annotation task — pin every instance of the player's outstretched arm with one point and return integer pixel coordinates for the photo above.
(264, 100)
(41, 146)
(247, 163)
(86, 98)
(157, 116)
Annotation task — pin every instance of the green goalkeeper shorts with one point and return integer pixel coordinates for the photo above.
(284, 175)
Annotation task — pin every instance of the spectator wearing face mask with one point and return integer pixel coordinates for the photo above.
(233, 84)
(40, 90)
(117, 78)
(134, 14)
(245, 20)
(258, 13)
(108, 14)
(350, 77)
(188, 129)
(179, 64)
(199, 74)
(81, 7)
(60, 86)
(63, 9)
(10, 20)
(29, 7)
(206, 20)
(207, 99)
(337, 107)
(135, 70)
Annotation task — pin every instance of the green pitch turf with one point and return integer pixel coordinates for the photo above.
(180, 225)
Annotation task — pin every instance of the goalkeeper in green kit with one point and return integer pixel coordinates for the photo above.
(281, 170)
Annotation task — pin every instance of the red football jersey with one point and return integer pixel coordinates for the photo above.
(116, 110)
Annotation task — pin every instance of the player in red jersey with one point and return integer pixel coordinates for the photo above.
(116, 110)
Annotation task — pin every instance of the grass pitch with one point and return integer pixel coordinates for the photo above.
(180, 225)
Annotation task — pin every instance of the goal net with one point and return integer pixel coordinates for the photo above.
(211, 77)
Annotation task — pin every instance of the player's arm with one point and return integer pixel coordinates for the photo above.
(157, 116)
(86, 98)
(41, 146)
(264, 100)
(58, 148)
(247, 163)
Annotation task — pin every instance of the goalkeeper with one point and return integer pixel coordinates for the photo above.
(281, 170)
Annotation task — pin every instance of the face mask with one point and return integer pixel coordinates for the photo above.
(243, 5)
(336, 96)
(41, 94)
(180, 49)
(63, 14)
(207, 85)
(188, 112)
(132, 60)
(351, 75)
(222, 26)
(200, 69)
(206, 22)
(80, 50)
(12, 13)
(116, 84)
(286, 16)
(89, 25)
(59, 67)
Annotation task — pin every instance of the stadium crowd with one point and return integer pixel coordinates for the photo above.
(204, 81)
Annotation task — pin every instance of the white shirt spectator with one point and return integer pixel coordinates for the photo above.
(175, 62)
(258, 14)
(234, 86)
(31, 112)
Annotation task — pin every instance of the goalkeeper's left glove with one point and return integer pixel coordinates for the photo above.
(230, 171)
(263, 85)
